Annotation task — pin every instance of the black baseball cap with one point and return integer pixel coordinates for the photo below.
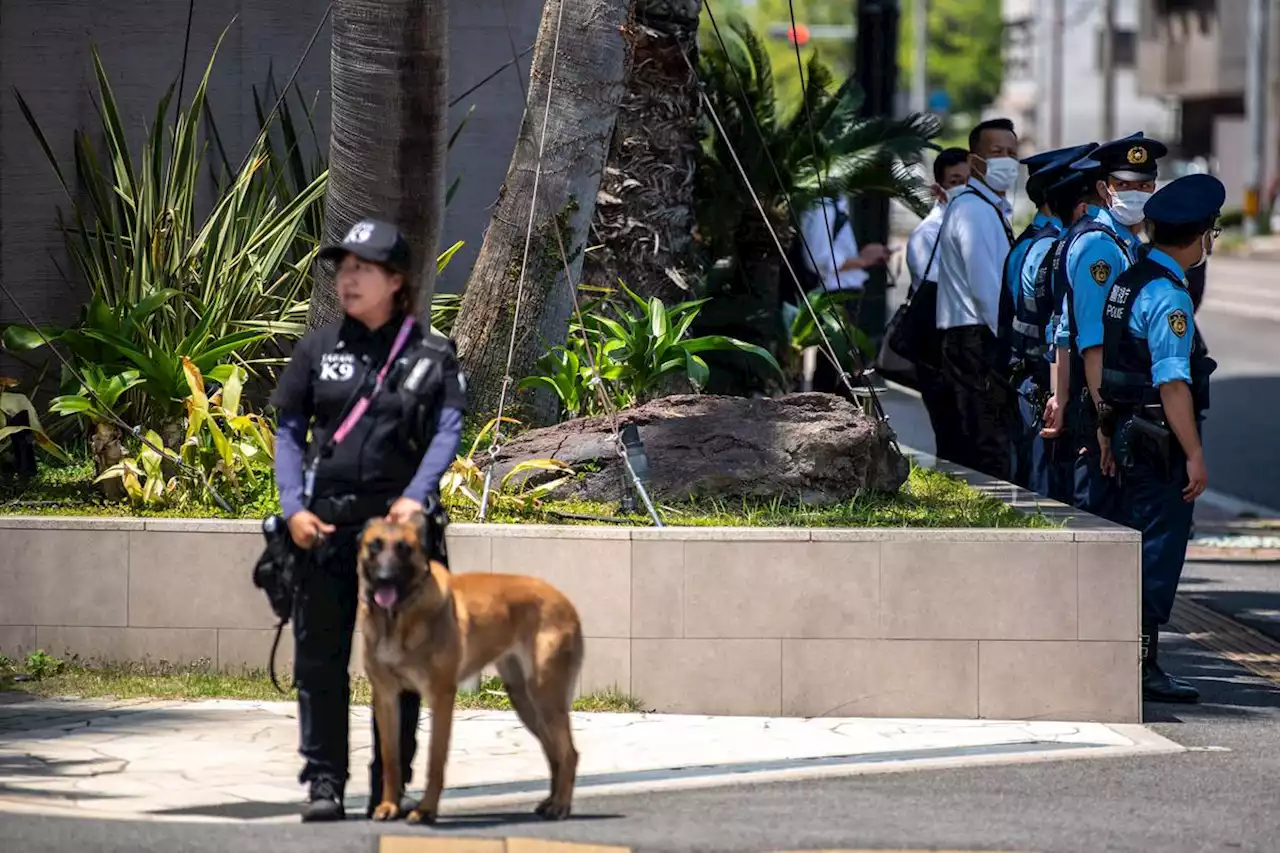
(373, 240)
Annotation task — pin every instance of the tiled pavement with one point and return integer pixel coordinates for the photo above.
(235, 760)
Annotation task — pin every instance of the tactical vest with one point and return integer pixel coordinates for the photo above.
(1126, 358)
(1031, 314)
(1062, 288)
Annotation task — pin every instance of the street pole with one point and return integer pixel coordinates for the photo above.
(920, 50)
(875, 64)
(1055, 74)
(1108, 70)
(1255, 112)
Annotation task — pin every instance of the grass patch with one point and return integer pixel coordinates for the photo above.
(44, 675)
(929, 498)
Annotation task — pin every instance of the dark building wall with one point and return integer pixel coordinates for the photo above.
(44, 54)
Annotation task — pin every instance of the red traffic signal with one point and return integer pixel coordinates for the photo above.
(799, 34)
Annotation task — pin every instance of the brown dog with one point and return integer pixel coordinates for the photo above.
(425, 630)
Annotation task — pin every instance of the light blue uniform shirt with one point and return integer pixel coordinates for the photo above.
(1164, 317)
(1018, 254)
(1036, 252)
(1093, 263)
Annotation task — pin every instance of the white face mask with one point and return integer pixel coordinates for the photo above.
(1002, 173)
(955, 191)
(1127, 205)
(1204, 253)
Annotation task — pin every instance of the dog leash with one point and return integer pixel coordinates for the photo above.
(344, 429)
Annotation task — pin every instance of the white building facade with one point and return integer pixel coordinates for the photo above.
(1027, 94)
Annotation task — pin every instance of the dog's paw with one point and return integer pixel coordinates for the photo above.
(549, 809)
(386, 811)
(422, 815)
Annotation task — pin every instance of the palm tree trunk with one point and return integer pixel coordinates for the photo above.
(645, 208)
(589, 80)
(389, 82)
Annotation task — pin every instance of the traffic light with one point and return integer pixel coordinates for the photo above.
(799, 34)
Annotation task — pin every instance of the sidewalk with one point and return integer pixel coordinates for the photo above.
(236, 760)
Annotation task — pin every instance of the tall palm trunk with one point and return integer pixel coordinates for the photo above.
(645, 209)
(389, 82)
(589, 80)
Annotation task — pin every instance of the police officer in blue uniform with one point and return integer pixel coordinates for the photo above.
(1100, 248)
(386, 462)
(1155, 390)
(1024, 329)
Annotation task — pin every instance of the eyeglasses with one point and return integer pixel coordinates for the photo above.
(1216, 231)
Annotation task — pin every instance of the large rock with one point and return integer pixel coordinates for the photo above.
(818, 448)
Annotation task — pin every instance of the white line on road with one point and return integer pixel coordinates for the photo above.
(1241, 309)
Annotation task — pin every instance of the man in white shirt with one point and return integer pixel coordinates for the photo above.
(827, 229)
(832, 262)
(972, 245)
(950, 172)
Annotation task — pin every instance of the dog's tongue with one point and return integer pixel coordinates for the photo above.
(385, 596)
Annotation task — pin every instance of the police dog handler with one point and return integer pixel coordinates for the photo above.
(381, 458)
(1155, 390)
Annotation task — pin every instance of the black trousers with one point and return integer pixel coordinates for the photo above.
(940, 403)
(324, 616)
(982, 405)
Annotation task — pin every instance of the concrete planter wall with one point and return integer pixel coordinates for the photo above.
(1015, 623)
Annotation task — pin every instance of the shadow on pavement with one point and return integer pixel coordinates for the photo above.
(1239, 437)
(25, 776)
(1227, 690)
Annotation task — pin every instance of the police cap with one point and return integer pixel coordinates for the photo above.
(1051, 167)
(373, 240)
(1190, 200)
(1045, 159)
(1132, 158)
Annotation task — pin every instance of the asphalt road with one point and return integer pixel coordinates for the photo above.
(1240, 320)
(1222, 797)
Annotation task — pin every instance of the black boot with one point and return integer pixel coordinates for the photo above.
(325, 801)
(1157, 685)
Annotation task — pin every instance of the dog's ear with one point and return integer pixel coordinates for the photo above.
(422, 527)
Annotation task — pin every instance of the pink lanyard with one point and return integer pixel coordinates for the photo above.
(362, 404)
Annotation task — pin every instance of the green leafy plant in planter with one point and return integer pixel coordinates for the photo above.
(636, 352)
(94, 402)
(465, 479)
(234, 451)
(165, 283)
(13, 406)
(803, 332)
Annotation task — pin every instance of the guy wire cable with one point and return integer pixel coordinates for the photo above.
(829, 352)
(590, 354)
(495, 440)
(778, 243)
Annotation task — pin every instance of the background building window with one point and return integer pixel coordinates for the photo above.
(1126, 48)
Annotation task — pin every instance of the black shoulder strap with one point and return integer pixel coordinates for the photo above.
(1004, 223)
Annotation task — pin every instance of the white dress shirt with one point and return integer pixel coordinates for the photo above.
(816, 224)
(920, 245)
(974, 240)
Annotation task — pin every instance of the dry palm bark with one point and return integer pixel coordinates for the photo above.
(389, 69)
(589, 80)
(644, 218)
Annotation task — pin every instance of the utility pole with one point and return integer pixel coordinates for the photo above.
(920, 51)
(1256, 114)
(875, 64)
(1108, 63)
(1055, 73)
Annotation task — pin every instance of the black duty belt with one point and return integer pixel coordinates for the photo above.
(346, 510)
